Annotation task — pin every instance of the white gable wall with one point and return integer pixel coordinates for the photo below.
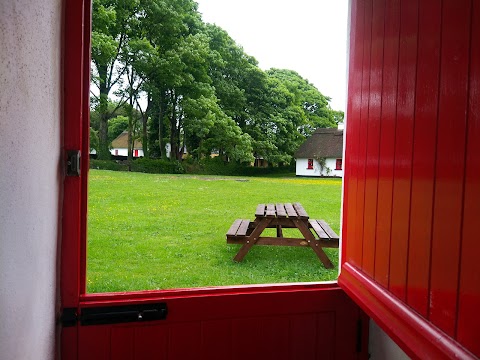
(330, 163)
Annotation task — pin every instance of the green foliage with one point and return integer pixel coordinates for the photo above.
(93, 139)
(116, 126)
(181, 243)
(157, 166)
(107, 165)
(204, 92)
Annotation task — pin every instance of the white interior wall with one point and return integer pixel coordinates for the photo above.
(30, 139)
(381, 346)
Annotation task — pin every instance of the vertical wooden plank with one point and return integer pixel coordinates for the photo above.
(326, 336)
(351, 137)
(372, 158)
(275, 338)
(363, 129)
(184, 341)
(407, 66)
(351, 246)
(85, 146)
(450, 164)
(468, 324)
(151, 342)
(73, 106)
(387, 141)
(244, 329)
(216, 339)
(423, 172)
(94, 342)
(122, 343)
(303, 329)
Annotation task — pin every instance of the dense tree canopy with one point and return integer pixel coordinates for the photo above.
(203, 92)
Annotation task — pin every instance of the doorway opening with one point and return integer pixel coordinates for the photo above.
(195, 111)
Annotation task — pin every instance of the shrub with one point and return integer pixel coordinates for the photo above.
(157, 166)
(107, 165)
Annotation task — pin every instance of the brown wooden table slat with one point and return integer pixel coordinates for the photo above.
(260, 210)
(233, 229)
(281, 211)
(300, 211)
(318, 229)
(270, 210)
(290, 210)
(328, 229)
(242, 229)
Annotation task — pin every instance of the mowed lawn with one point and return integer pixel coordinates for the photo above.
(149, 231)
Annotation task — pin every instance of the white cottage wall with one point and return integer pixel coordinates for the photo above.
(301, 168)
(30, 175)
(124, 152)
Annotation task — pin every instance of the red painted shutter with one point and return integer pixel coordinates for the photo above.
(412, 173)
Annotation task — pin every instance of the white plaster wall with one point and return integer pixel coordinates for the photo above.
(30, 138)
(331, 163)
(381, 346)
(124, 152)
(302, 168)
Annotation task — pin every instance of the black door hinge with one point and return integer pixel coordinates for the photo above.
(73, 162)
(69, 317)
(114, 314)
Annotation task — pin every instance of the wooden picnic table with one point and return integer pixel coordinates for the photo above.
(279, 216)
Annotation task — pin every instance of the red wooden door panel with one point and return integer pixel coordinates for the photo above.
(424, 288)
(373, 136)
(403, 147)
(299, 321)
(450, 164)
(424, 149)
(281, 322)
(468, 326)
(387, 142)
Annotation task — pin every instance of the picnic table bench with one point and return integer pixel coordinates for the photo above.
(279, 216)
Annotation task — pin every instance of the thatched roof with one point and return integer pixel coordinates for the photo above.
(324, 143)
(121, 142)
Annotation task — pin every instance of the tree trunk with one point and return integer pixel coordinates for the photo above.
(173, 128)
(161, 115)
(103, 152)
(144, 130)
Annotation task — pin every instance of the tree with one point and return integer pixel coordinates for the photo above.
(111, 22)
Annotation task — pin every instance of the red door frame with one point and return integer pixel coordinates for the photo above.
(307, 297)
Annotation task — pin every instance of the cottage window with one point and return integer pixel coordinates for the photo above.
(338, 164)
(310, 164)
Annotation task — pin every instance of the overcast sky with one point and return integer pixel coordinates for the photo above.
(308, 36)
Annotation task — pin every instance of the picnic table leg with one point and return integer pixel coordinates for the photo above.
(252, 239)
(307, 234)
(279, 231)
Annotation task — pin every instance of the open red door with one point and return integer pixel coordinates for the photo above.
(412, 173)
(297, 321)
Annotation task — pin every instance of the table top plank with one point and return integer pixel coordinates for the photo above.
(302, 214)
(260, 210)
(318, 229)
(290, 210)
(281, 212)
(328, 230)
(270, 210)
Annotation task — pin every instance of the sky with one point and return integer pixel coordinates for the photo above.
(308, 36)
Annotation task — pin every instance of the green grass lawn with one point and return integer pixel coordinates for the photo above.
(149, 231)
